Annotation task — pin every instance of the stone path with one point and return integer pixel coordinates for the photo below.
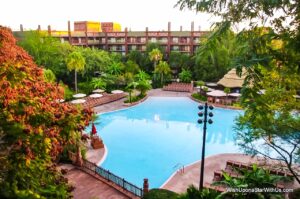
(88, 187)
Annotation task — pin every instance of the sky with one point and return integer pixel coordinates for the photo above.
(136, 15)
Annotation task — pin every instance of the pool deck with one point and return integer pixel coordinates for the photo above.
(89, 187)
(180, 181)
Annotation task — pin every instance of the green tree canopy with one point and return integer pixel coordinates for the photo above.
(155, 55)
(75, 61)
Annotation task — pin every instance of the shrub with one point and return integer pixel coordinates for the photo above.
(199, 97)
(160, 194)
(185, 76)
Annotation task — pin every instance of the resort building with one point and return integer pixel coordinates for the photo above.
(108, 36)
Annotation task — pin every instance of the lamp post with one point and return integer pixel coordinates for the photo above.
(204, 121)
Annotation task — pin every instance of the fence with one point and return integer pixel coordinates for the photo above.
(106, 174)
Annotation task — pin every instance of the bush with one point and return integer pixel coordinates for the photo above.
(85, 87)
(160, 194)
(199, 97)
(185, 76)
(135, 98)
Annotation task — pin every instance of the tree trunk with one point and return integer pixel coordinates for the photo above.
(130, 96)
(75, 81)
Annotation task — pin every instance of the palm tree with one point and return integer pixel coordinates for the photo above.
(162, 69)
(155, 55)
(143, 86)
(130, 87)
(75, 61)
(115, 68)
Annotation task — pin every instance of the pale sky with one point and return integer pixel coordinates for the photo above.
(134, 14)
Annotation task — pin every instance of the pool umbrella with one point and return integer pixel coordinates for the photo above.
(96, 95)
(79, 95)
(94, 130)
(117, 91)
(98, 91)
(78, 101)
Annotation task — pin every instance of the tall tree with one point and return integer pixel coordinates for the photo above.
(271, 56)
(34, 126)
(162, 69)
(47, 51)
(75, 61)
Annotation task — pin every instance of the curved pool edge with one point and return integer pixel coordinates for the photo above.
(164, 185)
(103, 157)
(216, 105)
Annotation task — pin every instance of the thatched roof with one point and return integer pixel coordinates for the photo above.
(232, 80)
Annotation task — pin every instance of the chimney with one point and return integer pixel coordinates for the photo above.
(180, 28)
(21, 28)
(49, 30)
(192, 26)
(169, 26)
(146, 29)
(199, 28)
(39, 27)
(126, 30)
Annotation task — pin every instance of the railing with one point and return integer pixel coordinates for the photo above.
(106, 174)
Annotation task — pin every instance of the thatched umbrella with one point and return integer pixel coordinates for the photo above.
(232, 80)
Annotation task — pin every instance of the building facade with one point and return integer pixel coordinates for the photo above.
(110, 38)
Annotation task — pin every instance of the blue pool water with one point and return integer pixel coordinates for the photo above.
(150, 139)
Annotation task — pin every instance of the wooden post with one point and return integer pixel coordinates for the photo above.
(79, 161)
(146, 186)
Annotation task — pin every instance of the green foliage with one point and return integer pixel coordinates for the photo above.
(68, 93)
(155, 55)
(98, 83)
(214, 57)
(194, 193)
(179, 61)
(255, 178)
(160, 194)
(199, 97)
(85, 87)
(185, 76)
(95, 60)
(131, 67)
(115, 68)
(200, 83)
(151, 46)
(132, 99)
(271, 56)
(47, 51)
(75, 61)
(162, 70)
(49, 75)
(143, 86)
(227, 90)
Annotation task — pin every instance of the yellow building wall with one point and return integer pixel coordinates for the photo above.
(93, 26)
(116, 27)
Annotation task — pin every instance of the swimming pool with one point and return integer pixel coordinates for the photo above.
(153, 139)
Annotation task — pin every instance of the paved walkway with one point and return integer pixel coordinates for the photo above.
(88, 187)
(180, 181)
